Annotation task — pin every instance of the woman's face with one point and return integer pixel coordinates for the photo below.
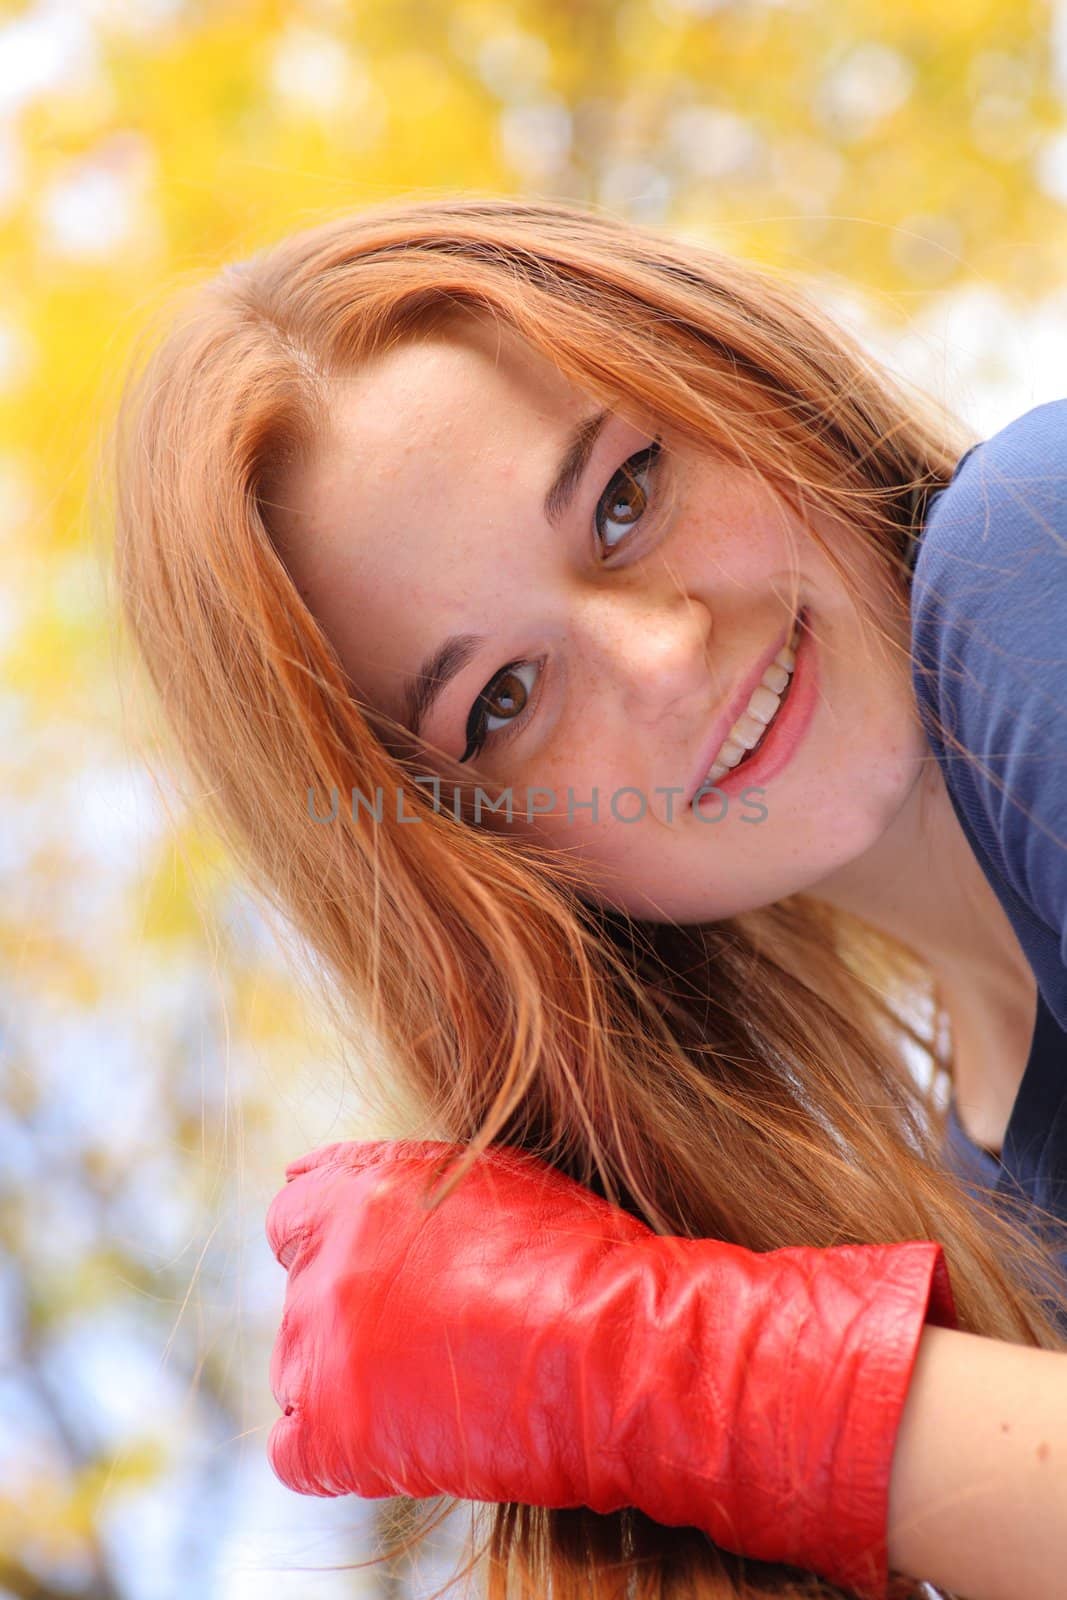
(608, 644)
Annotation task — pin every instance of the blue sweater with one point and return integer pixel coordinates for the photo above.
(989, 642)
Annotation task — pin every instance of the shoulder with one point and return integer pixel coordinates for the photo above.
(989, 588)
(989, 651)
(1007, 498)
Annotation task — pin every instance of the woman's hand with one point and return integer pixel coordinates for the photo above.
(529, 1342)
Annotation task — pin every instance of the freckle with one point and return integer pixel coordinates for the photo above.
(1005, 1427)
(1042, 1451)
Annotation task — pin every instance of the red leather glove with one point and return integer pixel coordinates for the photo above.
(529, 1342)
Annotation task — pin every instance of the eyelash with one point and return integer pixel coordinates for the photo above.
(478, 738)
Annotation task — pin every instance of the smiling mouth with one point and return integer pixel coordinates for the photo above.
(766, 728)
(746, 737)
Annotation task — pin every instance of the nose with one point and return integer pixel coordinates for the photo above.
(650, 642)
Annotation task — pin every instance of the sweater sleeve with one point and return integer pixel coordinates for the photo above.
(989, 637)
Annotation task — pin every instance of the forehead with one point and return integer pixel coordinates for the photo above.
(467, 394)
(430, 447)
(471, 373)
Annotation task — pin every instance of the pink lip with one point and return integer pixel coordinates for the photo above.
(736, 705)
(780, 743)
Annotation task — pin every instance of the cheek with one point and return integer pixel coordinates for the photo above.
(861, 788)
(897, 765)
(733, 526)
(592, 813)
(571, 772)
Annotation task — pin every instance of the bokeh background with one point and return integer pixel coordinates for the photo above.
(158, 1062)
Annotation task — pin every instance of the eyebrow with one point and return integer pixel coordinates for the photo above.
(437, 671)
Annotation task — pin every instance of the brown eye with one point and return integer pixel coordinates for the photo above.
(504, 697)
(508, 697)
(628, 503)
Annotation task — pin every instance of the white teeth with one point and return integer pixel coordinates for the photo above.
(776, 676)
(765, 701)
(748, 731)
(753, 722)
(729, 756)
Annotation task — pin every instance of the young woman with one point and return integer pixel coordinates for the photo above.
(535, 599)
